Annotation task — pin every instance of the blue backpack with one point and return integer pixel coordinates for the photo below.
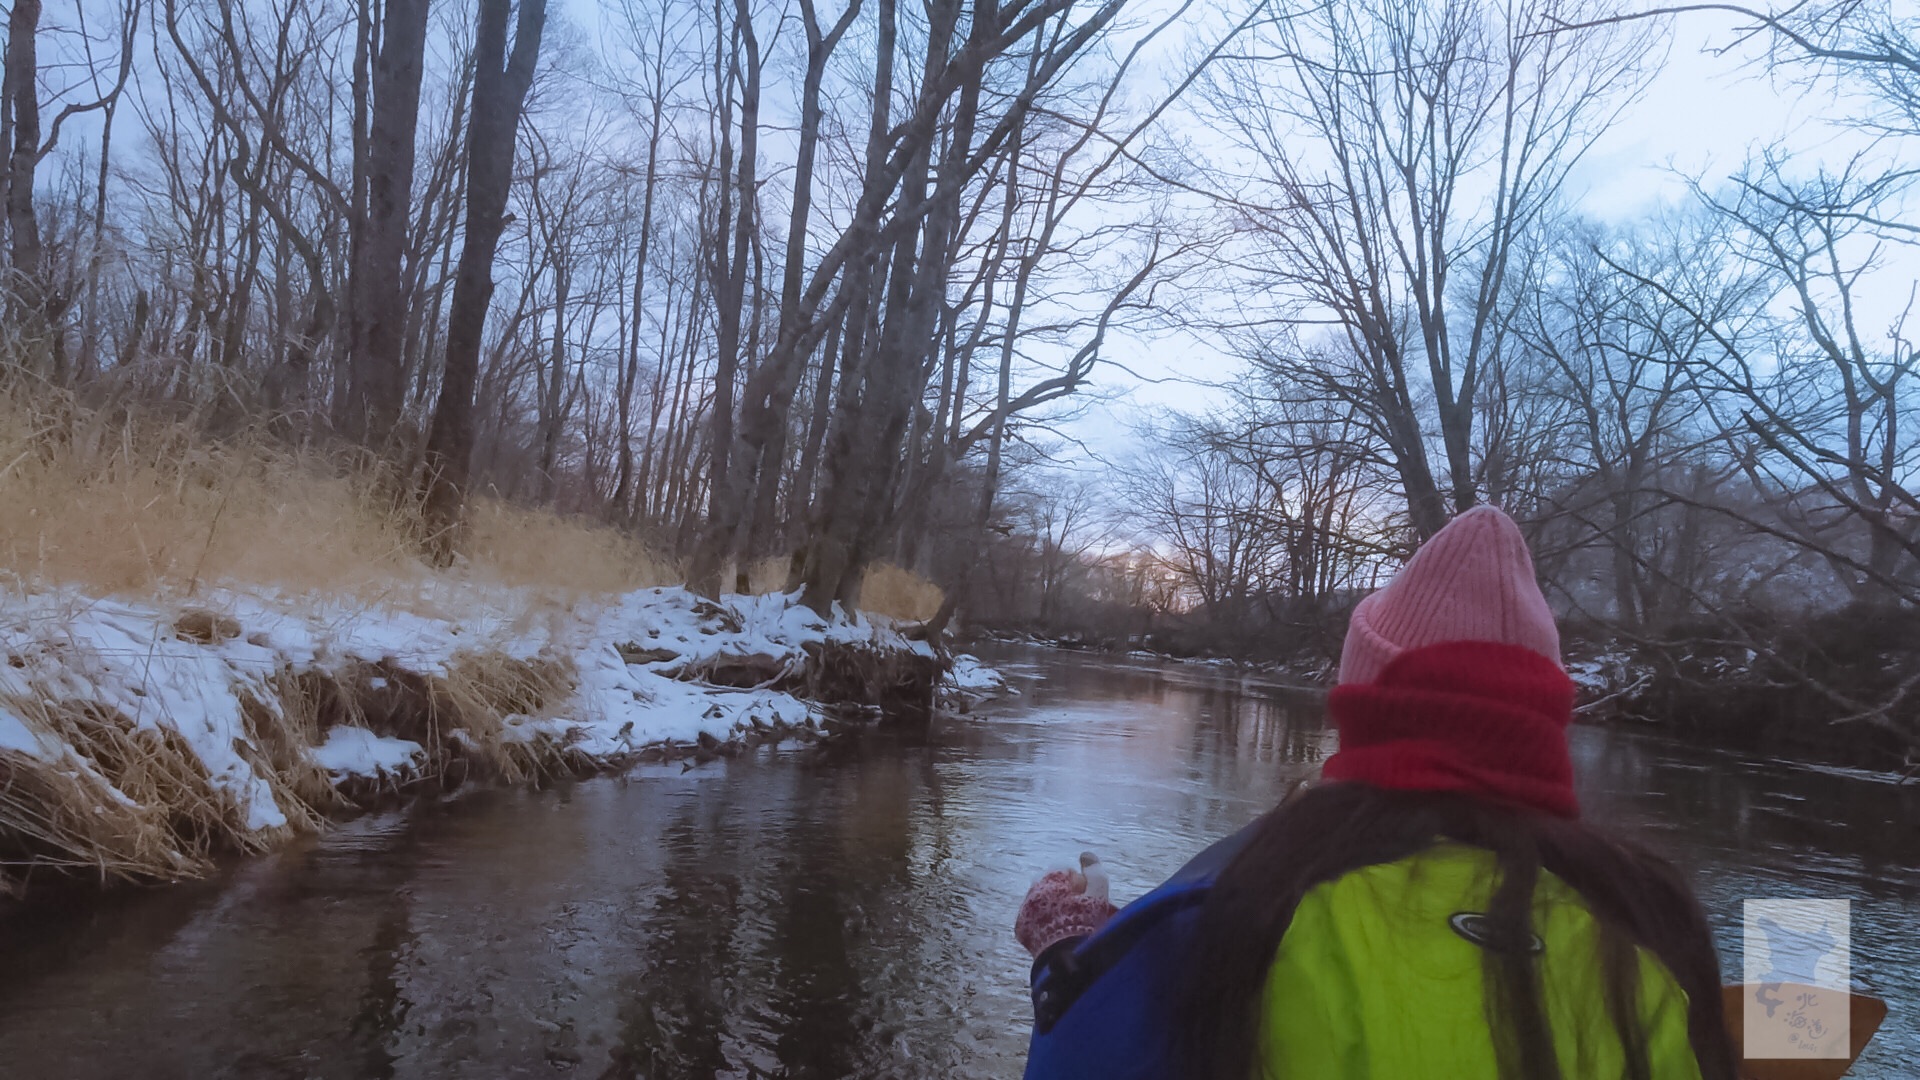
(1103, 1008)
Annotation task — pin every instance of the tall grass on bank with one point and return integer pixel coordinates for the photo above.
(901, 594)
(133, 802)
(128, 802)
(115, 501)
(121, 502)
(885, 590)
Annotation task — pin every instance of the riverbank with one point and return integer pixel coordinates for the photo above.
(1849, 711)
(1307, 671)
(1836, 697)
(141, 738)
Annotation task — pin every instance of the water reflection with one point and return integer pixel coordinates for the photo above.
(824, 914)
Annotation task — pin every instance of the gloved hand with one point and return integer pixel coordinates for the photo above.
(1064, 904)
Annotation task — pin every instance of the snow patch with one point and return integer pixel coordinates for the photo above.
(970, 675)
(15, 735)
(354, 751)
(1603, 673)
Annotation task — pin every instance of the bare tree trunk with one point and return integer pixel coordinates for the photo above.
(767, 399)
(630, 373)
(89, 362)
(28, 280)
(647, 498)
(863, 465)
(365, 33)
(717, 543)
(376, 369)
(800, 498)
(824, 562)
(619, 508)
(500, 85)
(552, 413)
(958, 590)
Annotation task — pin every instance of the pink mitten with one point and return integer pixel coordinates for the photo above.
(1060, 906)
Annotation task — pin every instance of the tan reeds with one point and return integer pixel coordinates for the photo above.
(900, 594)
(124, 801)
(134, 802)
(768, 575)
(485, 690)
(125, 502)
(885, 590)
(62, 815)
(284, 728)
(518, 546)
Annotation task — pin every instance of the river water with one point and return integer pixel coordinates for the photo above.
(831, 912)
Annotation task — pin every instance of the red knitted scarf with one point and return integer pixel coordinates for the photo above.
(1476, 717)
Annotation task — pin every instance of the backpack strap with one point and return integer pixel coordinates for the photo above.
(1064, 971)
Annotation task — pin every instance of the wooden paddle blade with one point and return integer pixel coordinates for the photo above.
(1864, 1015)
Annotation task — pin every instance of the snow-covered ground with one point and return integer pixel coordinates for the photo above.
(354, 751)
(193, 668)
(1602, 673)
(969, 675)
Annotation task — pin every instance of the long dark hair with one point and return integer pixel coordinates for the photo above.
(1636, 898)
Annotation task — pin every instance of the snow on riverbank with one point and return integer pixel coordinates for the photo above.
(246, 697)
(353, 751)
(969, 675)
(1604, 673)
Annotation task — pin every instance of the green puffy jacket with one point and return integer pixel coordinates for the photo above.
(1372, 981)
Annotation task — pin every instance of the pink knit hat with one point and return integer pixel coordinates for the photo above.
(1472, 582)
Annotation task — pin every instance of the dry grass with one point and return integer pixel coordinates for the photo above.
(886, 590)
(484, 690)
(131, 802)
(67, 819)
(135, 803)
(899, 594)
(122, 503)
(768, 575)
(119, 502)
(126, 504)
(519, 546)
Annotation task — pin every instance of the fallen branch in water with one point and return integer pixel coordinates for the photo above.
(1593, 706)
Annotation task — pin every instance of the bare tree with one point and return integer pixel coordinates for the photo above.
(768, 396)
(376, 374)
(1823, 401)
(36, 302)
(739, 201)
(500, 85)
(1620, 360)
(1400, 150)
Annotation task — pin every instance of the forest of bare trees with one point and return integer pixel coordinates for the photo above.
(753, 280)
(815, 284)
(1702, 416)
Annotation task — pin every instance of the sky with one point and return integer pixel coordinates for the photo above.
(1701, 116)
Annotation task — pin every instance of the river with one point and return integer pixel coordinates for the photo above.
(830, 912)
